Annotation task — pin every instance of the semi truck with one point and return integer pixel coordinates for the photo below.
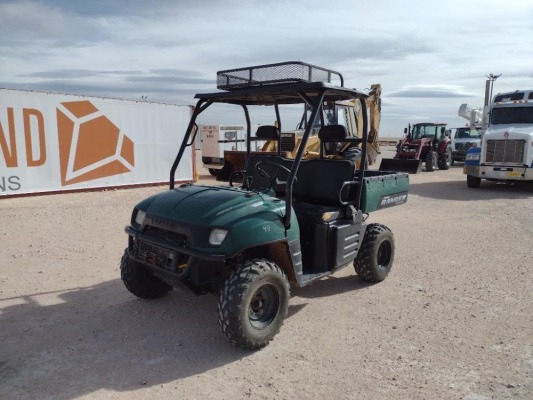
(506, 152)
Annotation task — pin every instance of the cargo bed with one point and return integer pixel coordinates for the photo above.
(382, 189)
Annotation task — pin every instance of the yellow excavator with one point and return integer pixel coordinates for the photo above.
(348, 113)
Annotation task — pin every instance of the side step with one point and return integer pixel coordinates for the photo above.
(309, 278)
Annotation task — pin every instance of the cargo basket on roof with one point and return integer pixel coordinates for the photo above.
(276, 74)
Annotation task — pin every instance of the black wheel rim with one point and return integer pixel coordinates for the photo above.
(384, 255)
(263, 306)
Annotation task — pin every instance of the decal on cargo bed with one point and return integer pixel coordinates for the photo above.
(392, 200)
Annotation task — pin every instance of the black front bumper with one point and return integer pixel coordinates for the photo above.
(164, 244)
(176, 264)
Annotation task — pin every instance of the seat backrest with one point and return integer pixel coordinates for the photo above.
(320, 180)
(317, 180)
(267, 132)
(330, 134)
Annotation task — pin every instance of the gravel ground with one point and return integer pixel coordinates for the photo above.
(452, 321)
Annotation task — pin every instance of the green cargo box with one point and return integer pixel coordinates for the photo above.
(383, 189)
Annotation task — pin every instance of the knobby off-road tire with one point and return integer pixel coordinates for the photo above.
(445, 159)
(253, 303)
(139, 281)
(473, 181)
(431, 161)
(374, 260)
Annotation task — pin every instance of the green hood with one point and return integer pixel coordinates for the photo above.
(251, 218)
(211, 205)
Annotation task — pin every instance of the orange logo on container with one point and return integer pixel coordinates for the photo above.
(90, 145)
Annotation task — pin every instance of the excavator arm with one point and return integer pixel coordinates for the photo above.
(353, 115)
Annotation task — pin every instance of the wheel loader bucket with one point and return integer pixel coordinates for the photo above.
(401, 165)
(233, 161)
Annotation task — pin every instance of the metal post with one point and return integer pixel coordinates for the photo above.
(490, 82)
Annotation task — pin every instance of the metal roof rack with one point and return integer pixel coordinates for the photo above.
(275, 74)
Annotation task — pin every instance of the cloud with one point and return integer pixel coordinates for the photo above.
(171, 50)
(431, 91)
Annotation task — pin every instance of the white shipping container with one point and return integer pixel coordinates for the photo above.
(55, 142)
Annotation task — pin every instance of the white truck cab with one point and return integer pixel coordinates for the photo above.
(506, 152)
(463, 139)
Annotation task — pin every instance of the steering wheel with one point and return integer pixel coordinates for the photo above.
(235, 174)
(272, 178)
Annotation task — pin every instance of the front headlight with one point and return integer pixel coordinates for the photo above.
(472, 157)
(139, 218)
(217, 236)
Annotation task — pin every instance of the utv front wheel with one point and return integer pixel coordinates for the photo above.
(374, 260)
(139, 281)
(253, 303)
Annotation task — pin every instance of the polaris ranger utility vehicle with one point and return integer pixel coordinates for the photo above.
(424, 142)
(291, 222)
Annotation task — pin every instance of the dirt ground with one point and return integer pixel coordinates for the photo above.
(454, 319)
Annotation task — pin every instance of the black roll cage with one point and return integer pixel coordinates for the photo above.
(312, 94)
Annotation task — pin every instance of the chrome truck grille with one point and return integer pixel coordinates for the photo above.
(506, 151)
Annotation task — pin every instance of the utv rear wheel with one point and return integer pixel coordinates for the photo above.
(213, 171)
(473, 181)
(139, 281)
(431, 161)
(253, 304)
(375, 257)
(446, 158)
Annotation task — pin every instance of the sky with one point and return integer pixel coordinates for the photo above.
(430, 57)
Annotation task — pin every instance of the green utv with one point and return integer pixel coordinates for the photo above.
(287, 223)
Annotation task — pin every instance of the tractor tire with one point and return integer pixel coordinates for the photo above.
(253, 304)
(213, 171)
(473, 181)
(376, 255)
(139, 281)
(446, 159)
(431, 161)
